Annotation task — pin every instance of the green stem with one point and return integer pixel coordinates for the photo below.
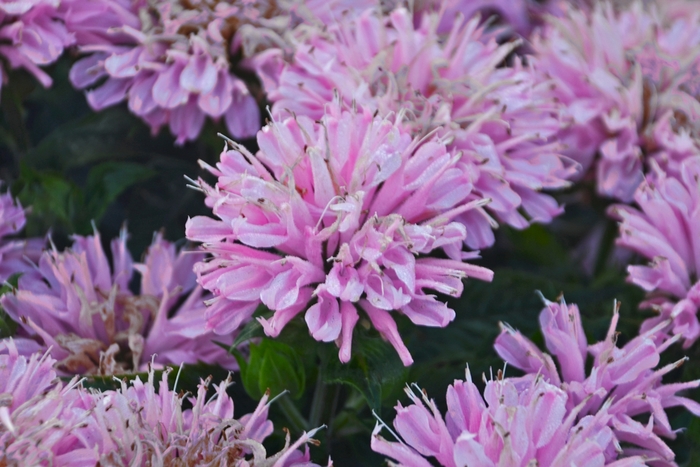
(319, 401)
(294, 417)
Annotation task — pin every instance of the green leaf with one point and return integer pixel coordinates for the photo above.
(272, 365)
(106, 181)
(252, 329)
(375, 369)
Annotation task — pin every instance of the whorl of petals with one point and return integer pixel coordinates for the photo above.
(514, 423)
(502, 118)
(74, 304)
(343, 211)
(665, 228)
(624, 382)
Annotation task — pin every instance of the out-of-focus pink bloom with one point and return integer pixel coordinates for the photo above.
(518, 16)
(15, 255)
(33, 34)
(343, 210)
(86, 313)
(39, 416)
(140, 424)
(665, 228)
(627, 80)
(622, 383)
(514, 424)
(502, 118)
(178, 62)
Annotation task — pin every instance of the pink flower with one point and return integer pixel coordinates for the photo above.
(514, 424)
(501, 118)
(15, 255)
(39, 416)
(33, 34)
(91, 321)
(172, 61)
(627, 81)
(665, 228)
(344, 211)
(519, 16)
(622, 383)
(142, 425)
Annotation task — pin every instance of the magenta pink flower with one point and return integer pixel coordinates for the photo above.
(142, 425)
(665, 228)
(16, 255)
(39, 416)
(501, 118)
(623, 381)
(627, 80)
(33, 34)
(342, 211)
(514, 424)
(92, 322)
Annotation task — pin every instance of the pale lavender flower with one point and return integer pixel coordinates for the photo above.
(15, 254)
(40, 417)
(140, 424)
(623, 382)
(33, 35)
(665, 228)
(85, 312)
(627, 81)
(343, 210)
(514, 424)
(502, 118)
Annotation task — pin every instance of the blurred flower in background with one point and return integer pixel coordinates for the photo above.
(628, 83)
(33, 35)
(501, 118)
(85, 312)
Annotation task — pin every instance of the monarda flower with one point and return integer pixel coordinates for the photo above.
(331, 218)
(139, 424)
(665, 228)
(33, 35)
(623, 381)
(502, 118)
(628, 82)
(40, 417)
(514, 424)
(74, 304)
(16, 255)
(175, 62)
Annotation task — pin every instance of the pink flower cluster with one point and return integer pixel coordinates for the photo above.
(502, 118)
(33, 34)
(628, 81)
(623, 381)
(15, 255)
(91, 322)
(665, 228)
(551, 416)
(332, 215)
(44, 422)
